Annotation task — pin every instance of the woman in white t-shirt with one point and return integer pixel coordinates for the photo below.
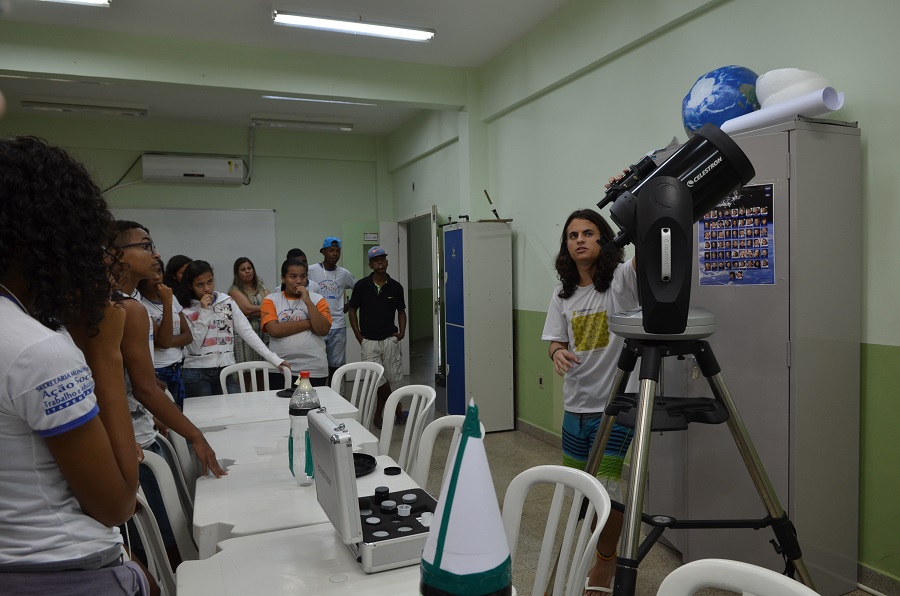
(593, 282)
(297, 321)
(165, 312)
(68, 474)
(214, 319)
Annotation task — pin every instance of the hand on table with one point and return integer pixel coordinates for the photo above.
(208, 462)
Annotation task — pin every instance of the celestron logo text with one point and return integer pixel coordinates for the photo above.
(705, 171)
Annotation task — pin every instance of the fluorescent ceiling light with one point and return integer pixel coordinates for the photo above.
(316, 125)
(103, 3)
(85, 108)
(353, 27)
(309, 99)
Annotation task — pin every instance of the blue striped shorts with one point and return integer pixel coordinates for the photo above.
(578, 433)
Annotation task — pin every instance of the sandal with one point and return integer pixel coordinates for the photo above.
(609, 590)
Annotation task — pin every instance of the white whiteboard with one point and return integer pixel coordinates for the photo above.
(219, 236)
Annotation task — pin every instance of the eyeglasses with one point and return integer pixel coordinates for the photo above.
(148, 246)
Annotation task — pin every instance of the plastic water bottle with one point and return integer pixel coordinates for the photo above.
(303, 401)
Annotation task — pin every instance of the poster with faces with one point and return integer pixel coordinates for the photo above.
(737, 239)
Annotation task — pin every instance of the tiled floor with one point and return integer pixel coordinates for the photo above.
(511, 452)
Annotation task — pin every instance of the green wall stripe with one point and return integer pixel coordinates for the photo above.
(879, 451)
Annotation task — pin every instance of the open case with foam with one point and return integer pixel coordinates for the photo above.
(383, 530)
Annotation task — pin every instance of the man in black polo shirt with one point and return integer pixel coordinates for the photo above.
(378, 297)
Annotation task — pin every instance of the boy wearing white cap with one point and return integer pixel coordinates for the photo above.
(378, 297)
(332, 281)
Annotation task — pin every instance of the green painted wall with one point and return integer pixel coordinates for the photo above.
(879, 482)
(541, 407)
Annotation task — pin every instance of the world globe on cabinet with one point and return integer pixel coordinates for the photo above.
(719, 96)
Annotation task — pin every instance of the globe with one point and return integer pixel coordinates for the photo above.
(718, 96)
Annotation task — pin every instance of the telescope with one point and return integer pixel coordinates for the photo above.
(655, 208)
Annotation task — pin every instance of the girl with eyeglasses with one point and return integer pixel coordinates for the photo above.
(214, 319)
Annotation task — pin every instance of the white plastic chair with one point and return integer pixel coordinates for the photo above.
(253, 368)
(736, 576)
(422, 465)
(154, 549)
(569, 577)
(421, 409)
(184, 493)
(176, 514)
(186, 460)
(365, 377)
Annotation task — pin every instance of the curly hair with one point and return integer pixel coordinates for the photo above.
(183, 291)
(172, 267)
(605, 265)
(57, 231)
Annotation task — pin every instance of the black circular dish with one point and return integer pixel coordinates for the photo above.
(364, 464)
(392, 471)
(285, 393)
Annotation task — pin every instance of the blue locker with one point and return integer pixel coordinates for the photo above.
(478, 311)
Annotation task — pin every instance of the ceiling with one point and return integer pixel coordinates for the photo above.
(468, 34)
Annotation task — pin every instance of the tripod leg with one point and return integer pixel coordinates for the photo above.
(626, 568)
(783, 528)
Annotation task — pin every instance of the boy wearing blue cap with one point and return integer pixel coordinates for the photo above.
(378, 297)
(332, 281)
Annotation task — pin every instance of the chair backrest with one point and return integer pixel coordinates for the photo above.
(185, 495)
(730, 575)
(253, 368)
(365, 377)
(578, 546)
(177, 517)
(422, 465)
(186, 460)
(157, 559)
(421, 409)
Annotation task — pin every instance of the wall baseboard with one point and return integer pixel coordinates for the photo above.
(877, 580)
(538, 433)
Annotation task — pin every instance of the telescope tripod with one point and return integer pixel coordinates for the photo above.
(675, 415)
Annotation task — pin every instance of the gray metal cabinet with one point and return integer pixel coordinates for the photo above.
(789, 352)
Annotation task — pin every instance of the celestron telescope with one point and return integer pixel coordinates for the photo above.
(655, 208)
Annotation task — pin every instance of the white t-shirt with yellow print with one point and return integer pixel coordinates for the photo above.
(582, 322)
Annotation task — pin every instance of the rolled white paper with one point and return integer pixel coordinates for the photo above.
(809, 105)
(782, 84)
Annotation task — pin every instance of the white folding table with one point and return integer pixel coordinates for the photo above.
(258, 441)
(260, 497)
(212, 411)
(307, 560)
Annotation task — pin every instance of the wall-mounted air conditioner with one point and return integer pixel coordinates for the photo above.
(193, 169)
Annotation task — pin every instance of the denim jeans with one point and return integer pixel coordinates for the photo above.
(205, 381)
